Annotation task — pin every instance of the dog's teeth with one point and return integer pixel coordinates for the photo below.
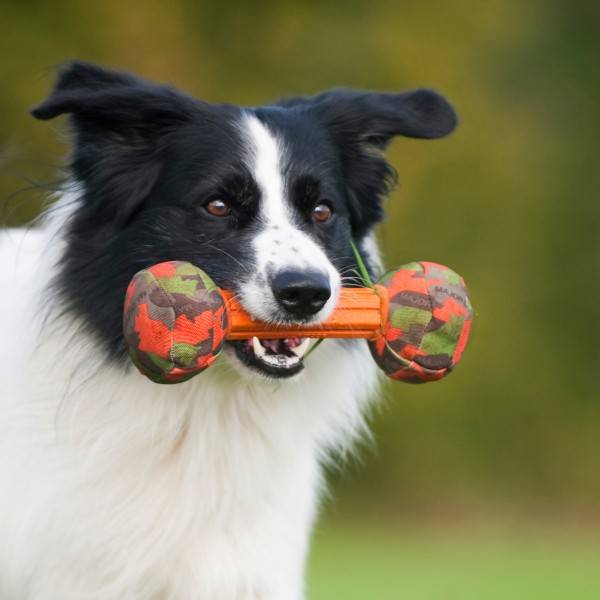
(278, 360)
(281, 360)
(259, 349)
(301, 349)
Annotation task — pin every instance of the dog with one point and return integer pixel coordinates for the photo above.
(113, 487)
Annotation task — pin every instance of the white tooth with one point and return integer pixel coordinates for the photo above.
(259, 349)
(281, 360)
(301, 349)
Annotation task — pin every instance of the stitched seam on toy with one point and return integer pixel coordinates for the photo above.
(411, 363)
(429, 299)
(171, 303)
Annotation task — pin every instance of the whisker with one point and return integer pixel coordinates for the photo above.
(213, 247)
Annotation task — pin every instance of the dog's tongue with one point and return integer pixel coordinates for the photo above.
(276, 346)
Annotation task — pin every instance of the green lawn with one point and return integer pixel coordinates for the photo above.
(352, 564)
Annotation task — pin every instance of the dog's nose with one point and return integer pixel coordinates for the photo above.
(301, 293)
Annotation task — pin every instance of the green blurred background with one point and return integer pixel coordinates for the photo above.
(486, 485)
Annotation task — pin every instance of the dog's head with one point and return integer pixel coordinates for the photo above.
(266, 200)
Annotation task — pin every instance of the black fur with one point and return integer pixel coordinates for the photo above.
(148, 158)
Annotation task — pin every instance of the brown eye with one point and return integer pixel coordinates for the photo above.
(218, 208)
(321, 213)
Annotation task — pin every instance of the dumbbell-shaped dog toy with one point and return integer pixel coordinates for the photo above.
(416, 320)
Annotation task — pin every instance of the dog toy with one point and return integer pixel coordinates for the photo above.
(416, 320)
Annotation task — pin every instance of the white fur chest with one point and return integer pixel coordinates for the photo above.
(115, 487)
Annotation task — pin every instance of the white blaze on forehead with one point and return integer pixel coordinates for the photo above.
(266, 154)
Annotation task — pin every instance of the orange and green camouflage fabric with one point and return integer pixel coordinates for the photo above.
(174, 321)
(428, 322)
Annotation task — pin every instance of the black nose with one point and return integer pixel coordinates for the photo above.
(301, 293)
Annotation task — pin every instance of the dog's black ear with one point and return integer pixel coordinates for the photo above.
(361, 125)
(375, 118)
(118, 101)
(118, 121)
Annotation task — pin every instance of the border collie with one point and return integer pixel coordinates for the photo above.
(113, 487)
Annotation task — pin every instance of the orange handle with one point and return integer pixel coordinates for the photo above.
(359, 313)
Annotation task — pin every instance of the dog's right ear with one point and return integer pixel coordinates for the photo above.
(119, 122)
(118, 101)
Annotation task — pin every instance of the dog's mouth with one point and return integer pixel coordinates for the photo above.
(278, 358)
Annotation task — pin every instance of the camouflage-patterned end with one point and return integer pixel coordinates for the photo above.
(174, 321)
(428, 324)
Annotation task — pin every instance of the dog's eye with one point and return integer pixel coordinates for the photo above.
(218, 208)
(321, 213)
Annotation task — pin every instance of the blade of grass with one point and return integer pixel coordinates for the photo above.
(364, 274)
(314, 347)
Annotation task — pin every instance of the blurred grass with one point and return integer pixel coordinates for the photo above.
(353, 562)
